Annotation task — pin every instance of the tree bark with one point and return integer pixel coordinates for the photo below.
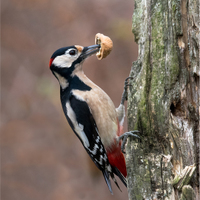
(163, 101)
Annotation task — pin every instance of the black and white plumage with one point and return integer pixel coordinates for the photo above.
(89, 111)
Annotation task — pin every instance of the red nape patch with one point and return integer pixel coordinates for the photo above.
(116, 159)
(50, 62)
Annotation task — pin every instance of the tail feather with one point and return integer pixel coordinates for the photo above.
(107, 179)
(120, 175)
(115, 171)
(115, 181)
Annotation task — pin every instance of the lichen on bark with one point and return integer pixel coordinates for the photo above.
(162, 102)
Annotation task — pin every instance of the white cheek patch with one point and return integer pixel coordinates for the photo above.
(64, 61)
(77, 127)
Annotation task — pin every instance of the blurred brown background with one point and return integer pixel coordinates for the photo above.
(41, 158)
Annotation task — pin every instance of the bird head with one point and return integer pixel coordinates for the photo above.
(65, 60)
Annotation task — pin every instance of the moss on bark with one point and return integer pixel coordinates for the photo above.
(160, 97)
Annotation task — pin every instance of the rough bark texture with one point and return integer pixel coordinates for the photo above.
(164, 101)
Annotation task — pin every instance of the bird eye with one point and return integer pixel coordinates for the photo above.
(72, 52)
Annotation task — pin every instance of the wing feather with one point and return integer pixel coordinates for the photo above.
(84, 126)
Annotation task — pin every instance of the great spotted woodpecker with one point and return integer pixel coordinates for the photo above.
(90, 112)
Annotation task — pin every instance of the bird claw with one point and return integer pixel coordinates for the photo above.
(125, 136)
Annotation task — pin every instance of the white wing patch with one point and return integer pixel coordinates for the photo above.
(77, 127)
(96, 149)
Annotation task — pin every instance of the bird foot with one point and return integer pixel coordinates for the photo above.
(125, 136)
(125, 92)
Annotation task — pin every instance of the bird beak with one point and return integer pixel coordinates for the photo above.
(88, 51)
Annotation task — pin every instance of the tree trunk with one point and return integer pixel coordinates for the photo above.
(163, 101)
